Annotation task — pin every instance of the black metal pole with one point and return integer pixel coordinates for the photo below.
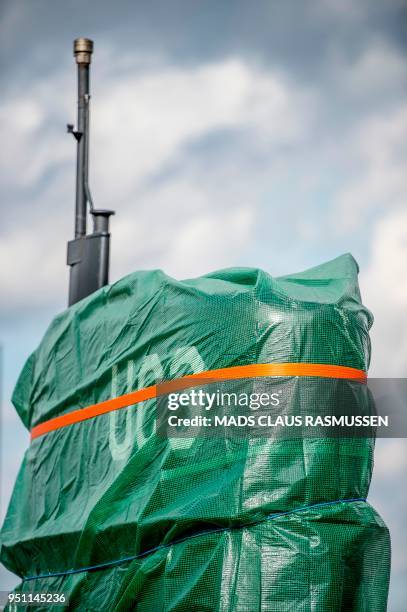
(83, 48)
(88, 254)
(101, 230)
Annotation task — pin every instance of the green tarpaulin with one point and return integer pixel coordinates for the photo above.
(120, 518)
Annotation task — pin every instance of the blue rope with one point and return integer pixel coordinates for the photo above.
(269, 517)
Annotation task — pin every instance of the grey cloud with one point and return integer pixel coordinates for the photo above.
(297, 35)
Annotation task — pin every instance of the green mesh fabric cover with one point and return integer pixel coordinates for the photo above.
(120, 518)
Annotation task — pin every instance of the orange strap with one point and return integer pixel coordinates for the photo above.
(235, 372)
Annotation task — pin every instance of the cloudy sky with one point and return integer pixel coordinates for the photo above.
(264, 134)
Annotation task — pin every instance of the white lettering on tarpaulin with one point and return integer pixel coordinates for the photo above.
(187, 360)
(120, 450)
(139, 424)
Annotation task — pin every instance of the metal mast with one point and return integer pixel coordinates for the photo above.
(88, 254)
